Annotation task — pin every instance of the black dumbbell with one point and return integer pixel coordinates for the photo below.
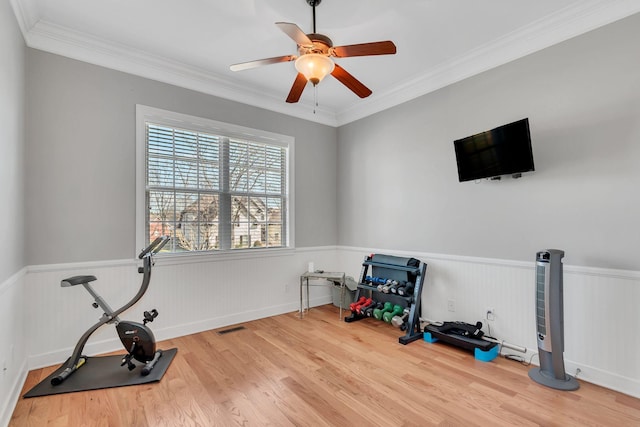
(369, 311)
(363, 308)
(407, 289)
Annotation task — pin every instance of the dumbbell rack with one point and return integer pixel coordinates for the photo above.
(394, 268)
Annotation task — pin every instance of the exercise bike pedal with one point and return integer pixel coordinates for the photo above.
(126, 360)
(149, 316)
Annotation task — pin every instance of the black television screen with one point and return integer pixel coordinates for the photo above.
(505, 150)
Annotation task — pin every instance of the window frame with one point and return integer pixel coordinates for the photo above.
(158, 116)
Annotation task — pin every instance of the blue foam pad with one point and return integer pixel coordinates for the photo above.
(429, 338)
(486, 356)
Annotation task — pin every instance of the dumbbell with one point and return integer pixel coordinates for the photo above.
(381, 286)
(381, 283)
(378, 313)
(353, 305)
(397, 309)
(384, 287)
(387, 286)
(368, 307)
(371, 281)
(400, 321)
(393, 289)
(368, 302)
(407, 289)
(369, 310)
(401, 284)
(359, 306)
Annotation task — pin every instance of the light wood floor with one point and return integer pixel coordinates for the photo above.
(319, 371)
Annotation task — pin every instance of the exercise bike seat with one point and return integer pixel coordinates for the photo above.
(77, 280)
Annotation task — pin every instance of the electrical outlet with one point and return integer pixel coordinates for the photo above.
(451, 305)
(490, 314)
(286, 288)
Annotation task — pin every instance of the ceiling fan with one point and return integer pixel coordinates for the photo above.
(314, 62)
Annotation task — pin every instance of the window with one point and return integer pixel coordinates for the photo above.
(211, 186)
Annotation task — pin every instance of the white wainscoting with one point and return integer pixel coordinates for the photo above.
(600, 305)
(202, 294)
(601, 315)
(12, 344)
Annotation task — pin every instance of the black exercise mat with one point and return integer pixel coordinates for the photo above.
(103, 372)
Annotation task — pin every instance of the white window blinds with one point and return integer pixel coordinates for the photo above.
(213, 192)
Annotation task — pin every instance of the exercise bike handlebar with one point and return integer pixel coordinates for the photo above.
(155, 246)
(147, 263)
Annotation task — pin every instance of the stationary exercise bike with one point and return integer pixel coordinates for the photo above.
(137, 338)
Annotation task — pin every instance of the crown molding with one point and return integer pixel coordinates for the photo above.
(578, 18)
(572, 21)
(63, 41)
(26, 14)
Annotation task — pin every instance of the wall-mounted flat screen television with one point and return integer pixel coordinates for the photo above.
(505, 150)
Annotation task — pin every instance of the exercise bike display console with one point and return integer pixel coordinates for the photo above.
(137, 338)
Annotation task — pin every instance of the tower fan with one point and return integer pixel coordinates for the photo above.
(550, 322)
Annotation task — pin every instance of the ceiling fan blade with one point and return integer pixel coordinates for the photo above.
(351, 82)
(296, 90)
(261, 62)
(365, 49)
(293, 31)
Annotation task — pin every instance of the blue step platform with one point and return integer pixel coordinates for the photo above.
(485, 351)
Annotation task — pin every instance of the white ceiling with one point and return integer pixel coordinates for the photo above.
(191, 43)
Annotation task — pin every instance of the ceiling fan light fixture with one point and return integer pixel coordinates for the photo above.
(314, 66)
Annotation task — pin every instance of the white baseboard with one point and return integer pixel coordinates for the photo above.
(604, 378)
(14, 395)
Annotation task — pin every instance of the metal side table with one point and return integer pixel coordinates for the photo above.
(333, 277)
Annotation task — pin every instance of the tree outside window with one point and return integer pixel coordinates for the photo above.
(212, 192)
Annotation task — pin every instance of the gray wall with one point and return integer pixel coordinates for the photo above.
(12, 225)
(397, 170)
(81, 158)
(398, 186)
(12, 66)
